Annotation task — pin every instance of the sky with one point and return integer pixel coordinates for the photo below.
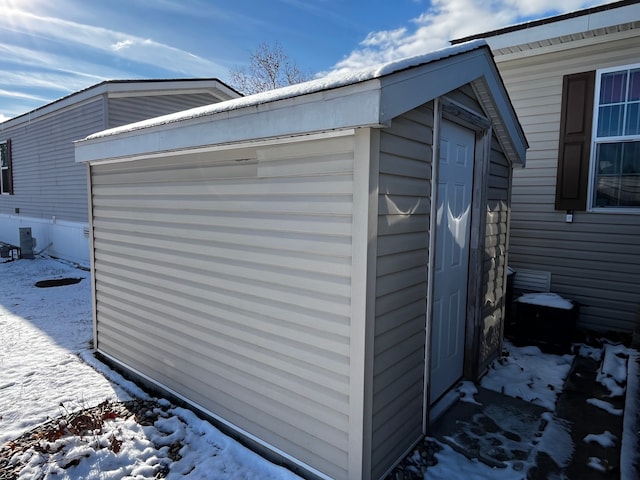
(51, 49)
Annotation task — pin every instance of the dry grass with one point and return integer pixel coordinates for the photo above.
(85, 424)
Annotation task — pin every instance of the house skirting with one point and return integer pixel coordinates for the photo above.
(57, 238)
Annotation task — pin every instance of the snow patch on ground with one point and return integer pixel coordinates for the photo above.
(90, 458)
(124, 448)
(606, 406)
(630, 443)
(599, 464)
(43, 331)
(613, 373)
(594, 353)
(130, 388)
(467, 390)
(556, 440)
(615, 362)
(47, 370)
(453, 465)
(605, 439)
(528, 374)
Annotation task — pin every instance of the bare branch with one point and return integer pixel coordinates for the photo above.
(269, 68)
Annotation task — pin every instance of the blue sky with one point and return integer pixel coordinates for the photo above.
(49, 49)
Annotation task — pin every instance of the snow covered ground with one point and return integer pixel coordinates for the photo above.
(47, 370)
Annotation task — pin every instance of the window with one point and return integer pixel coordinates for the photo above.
(615, 165)
(599, 148)
(6, 180)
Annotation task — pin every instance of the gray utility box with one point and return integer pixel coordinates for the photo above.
(27, 243)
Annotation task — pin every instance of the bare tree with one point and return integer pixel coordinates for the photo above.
(269, 67)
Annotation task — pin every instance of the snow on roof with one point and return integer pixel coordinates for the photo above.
(547, 20)
(331, 81)
(130, 85)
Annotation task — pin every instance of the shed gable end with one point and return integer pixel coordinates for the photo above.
(125, 110)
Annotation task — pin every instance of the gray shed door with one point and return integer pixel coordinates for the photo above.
(455, 179)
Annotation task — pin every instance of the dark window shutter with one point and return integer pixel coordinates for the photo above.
(10, 169)
(575, 141)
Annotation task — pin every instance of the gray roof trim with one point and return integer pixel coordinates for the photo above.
(127, 88)
(546, 21)
(476, 68)
(331, 82)
(348, 107)
(370, 98)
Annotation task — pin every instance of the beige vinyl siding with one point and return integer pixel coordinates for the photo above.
(466, 97)
(401, 286)
(227, 278)
(47, 182)
(133, 109)
(596, 259)
(495, 256)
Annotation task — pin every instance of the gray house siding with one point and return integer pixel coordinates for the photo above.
(237, 264)
(401, 285)
(133, 109)
(49, 187)
(596, 259)
(47, 182)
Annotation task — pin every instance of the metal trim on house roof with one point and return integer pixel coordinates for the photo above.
(545, 21)
(120, 87)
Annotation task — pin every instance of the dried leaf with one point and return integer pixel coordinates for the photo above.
(109, 416)
(115, 444)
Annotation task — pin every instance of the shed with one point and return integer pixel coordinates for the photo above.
(276, 260)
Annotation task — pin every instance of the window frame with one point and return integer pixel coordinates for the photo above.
(7, 189)
(595, 141)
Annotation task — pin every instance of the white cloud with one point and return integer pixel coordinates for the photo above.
(122, 44)
(128, 47)
(385, 38)
(20, 95)
(445, 20)
(43, 57)
(49, 74)
(65, 82)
